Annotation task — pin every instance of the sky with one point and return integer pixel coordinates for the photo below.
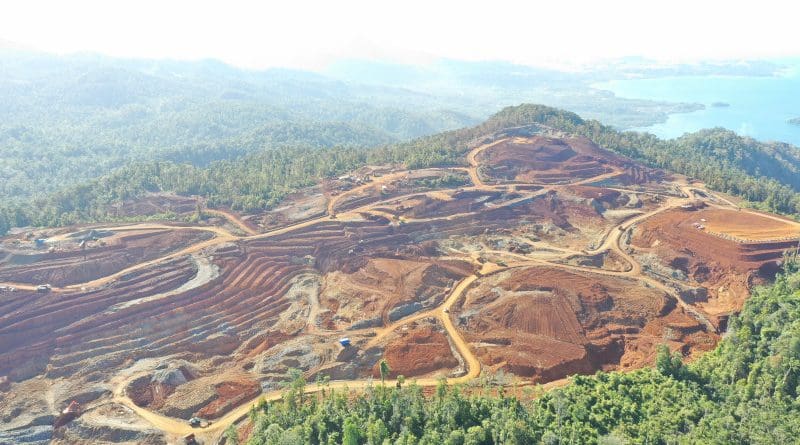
(312, 34)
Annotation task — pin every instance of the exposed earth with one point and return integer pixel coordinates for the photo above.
(541, 257)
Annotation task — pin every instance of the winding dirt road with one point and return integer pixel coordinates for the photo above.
(238, 222)
(609, 242)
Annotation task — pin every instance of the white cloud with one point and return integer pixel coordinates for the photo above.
(311, 33)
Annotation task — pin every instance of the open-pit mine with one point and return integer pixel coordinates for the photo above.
(539, 256)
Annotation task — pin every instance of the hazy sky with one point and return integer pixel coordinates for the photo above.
(310, 34)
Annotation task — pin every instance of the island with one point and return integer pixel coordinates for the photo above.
(794, 121)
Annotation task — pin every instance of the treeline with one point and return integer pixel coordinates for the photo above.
(765, 174)
(251, 182)
(67, 120)
(747, 391)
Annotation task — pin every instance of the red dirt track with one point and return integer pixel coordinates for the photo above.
(535, 268)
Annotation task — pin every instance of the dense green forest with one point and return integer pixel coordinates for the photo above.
(765, 174)
(747, 391)
(65, 120)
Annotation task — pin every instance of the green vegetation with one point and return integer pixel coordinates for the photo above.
(66, 120)
(747, 391)
(81, 133)
(765, 174)
(255, 181)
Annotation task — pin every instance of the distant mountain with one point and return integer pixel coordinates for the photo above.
(65, 120)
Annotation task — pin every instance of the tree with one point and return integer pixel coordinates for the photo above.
(476, 435)
(456, 437)
(231, 435)
(668, 363)
(351, 433)
(384, 369)
(377, 432)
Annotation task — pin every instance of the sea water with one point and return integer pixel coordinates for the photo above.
(756, 106)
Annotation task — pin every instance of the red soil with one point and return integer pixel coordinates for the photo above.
(383, 284)
(748, 226)
(229, 395)
(63, 268)
(545, 323)
(417, 352)
(725, 267)
(548, 160)
(539, 322)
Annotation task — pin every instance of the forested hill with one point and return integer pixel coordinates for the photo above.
(765, 174)
(65, 120)
(746, 391)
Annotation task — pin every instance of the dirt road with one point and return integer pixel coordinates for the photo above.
(473, 162)
(212, 433)
(238, 222)
(610, 242)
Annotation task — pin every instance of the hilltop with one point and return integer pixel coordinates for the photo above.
(65, 120)
(518, 247)
(765, 175)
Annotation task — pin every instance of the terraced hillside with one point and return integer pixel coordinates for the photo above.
(545, 257)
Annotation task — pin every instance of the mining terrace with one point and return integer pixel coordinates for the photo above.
(539, 258)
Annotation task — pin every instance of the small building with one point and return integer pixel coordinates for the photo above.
(344, 341)
(189, 439)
